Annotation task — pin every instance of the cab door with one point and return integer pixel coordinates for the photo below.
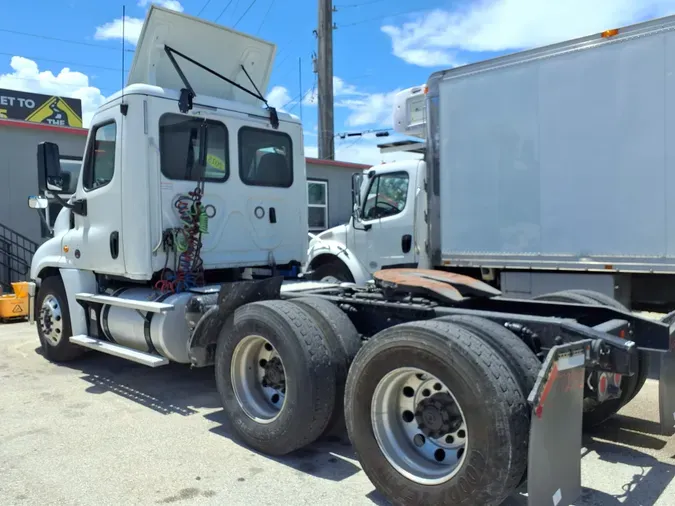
(93, 243)
(388, 215)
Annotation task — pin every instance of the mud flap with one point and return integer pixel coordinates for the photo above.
(667, 393)
(554, 461)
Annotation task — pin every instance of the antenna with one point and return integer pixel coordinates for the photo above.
(124, 15)
(302, 96)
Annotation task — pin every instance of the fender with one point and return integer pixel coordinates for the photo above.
(77, 281)
(321, 247)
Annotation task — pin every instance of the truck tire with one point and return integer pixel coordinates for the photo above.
(596, 413)
(567, 296)
(602, 299)
(344, 343)
(53, 322)
(522, 361)
(268, 342)
(645, 358)
(332, 272)
(436, 416)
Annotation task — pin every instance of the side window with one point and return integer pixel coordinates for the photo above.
(387, 196)
(265, 158)
(100, 166)
(179, 148)
(317, 200)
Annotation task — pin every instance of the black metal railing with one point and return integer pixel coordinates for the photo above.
(16, 253)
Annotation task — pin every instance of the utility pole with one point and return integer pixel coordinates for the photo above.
(324, 69)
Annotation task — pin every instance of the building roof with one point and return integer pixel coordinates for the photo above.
(335, 163)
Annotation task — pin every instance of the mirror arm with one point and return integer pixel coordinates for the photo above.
(41, 213)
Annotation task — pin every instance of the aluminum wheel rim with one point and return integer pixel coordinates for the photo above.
(51, 320)
(261, 399)
(424, 459)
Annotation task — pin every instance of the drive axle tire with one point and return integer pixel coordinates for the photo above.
(275, 376)
(596, 413)
(344, 343)
(436, 416)
(53, 322)
(524, 364)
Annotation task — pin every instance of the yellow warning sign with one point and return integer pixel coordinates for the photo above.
(55, 111)
(17, 309)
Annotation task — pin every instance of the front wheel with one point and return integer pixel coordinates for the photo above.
(436, 416)
(53, 322)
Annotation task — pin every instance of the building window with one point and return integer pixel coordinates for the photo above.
(265, 158)
(100, 166)
(179, 148)
(317, 199)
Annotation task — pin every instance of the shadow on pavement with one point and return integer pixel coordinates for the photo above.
(328, 458)
(630, 431)
(170, 389)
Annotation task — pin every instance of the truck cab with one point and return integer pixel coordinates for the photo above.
(388, 227)
(188, 176)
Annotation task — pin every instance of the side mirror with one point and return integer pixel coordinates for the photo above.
(35, 202)
(357, 180)
(49, 167)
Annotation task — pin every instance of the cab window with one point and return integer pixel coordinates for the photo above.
(179, 148)
(100, 166)
(387, 196)
(265, 158)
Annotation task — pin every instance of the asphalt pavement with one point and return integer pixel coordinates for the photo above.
(103, 431)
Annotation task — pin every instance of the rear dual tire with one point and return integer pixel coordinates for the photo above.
(488, 397)
(596, 413)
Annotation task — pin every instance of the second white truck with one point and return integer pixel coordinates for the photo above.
(543, 171)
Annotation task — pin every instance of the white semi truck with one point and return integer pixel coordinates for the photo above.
(543, 171)
(450, 394)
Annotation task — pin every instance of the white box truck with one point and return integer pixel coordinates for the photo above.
(449, 393)
(545, 170)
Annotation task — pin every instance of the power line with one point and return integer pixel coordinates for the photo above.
(204, 7)
(245, 12)
(265, 16)
(382, 17)
(69, 41)
(223, 11)
(360, 4)
(63, 62)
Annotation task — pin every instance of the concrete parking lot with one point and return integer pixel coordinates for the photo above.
(103, 431)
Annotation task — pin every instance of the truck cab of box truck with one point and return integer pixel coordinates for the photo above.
(176, 127)
(388, 226)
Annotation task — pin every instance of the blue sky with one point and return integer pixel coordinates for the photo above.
(381, 46)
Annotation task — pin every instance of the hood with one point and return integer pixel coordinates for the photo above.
(221, 49)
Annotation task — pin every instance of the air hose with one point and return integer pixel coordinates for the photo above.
(187, 243)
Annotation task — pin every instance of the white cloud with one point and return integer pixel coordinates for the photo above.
(434, 38)
(364, 150)
(114, 29)
(131, 26)
(174, 5)
(278, 97)
(26, 76)
(366, 108)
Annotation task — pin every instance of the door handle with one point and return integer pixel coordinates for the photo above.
(114, 244)
(406, 243)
